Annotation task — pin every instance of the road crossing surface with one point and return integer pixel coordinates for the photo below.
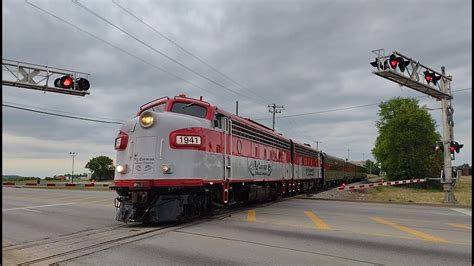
(77, 227)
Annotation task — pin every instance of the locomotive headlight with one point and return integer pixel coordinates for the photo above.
(121, 168)
(166, 169)
(146, 119)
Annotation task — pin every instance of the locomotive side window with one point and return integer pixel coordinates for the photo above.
(189, 109)
(218, 120)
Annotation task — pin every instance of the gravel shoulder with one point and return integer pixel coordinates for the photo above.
(397, 194)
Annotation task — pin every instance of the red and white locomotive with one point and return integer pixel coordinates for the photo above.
(181, 157)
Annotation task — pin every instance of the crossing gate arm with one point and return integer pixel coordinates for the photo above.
(390, 183)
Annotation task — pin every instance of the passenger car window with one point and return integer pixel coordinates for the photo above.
(189, 109)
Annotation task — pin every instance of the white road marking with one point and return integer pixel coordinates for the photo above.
(464, 211)
(31, 210)
(41, 206)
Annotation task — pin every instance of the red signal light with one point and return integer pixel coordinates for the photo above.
(428, 76)
(65, 82)
(393, 61)
(452, 146)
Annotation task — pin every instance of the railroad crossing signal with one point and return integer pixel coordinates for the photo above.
(454, 146)
(451, 150)
(458, 146)
(393, 61)
(67, 82)
(36, 77)
(82, 84)
(431, 77)
(425, 80)
(408, 73)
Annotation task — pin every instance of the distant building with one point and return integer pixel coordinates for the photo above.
(466, 169)
(61, 177)
(359, 163)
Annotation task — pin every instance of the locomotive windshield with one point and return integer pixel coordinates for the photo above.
(189, 109)
(159, 108)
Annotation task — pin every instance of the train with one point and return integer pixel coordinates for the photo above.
(181, 157)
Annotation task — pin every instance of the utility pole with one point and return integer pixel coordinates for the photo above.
(236, 107)
(273, 108)
(73, 154)
(317, 142)
(448, 136)
(348, 150)
(363, 157)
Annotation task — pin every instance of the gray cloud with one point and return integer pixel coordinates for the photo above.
(306, 55)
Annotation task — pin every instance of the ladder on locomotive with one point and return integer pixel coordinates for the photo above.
(227, 126)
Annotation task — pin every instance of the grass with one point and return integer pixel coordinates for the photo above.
(462, 193)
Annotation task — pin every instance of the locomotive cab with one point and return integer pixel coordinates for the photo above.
(157, 157)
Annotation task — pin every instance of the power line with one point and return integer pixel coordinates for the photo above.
(183, 49)
(76, 2)
(116, 47)
(318, 112)
(342, 109)
(59, 111)
(197, 86)
(113, 122)
(61, 115)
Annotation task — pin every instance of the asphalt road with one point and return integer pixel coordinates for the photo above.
(33, 213)
(82, 231)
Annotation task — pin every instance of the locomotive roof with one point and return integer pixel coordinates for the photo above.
(248, 122)
(251, 123)
(235, 117)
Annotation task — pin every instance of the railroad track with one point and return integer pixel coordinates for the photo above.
(53, 251)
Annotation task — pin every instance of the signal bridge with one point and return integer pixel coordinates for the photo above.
(37, 77)
(387, 68)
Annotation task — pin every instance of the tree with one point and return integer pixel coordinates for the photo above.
(102, 168)
(372, 167)
(405, 142)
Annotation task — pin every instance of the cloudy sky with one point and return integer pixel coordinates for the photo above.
(310, 56)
